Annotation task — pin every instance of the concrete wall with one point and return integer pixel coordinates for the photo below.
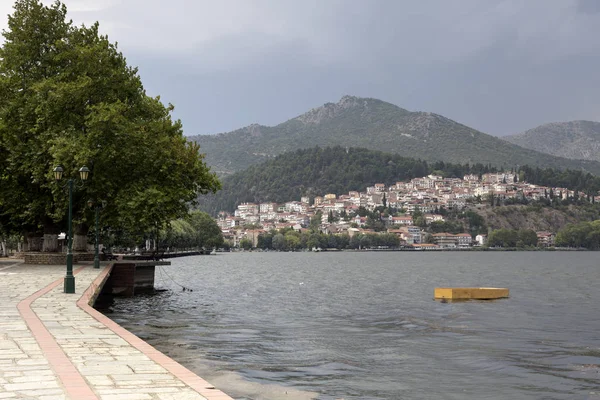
(129, 279)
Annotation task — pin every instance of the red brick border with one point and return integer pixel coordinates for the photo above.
(73, 382)
(185, 375)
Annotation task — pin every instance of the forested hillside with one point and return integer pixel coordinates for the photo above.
(317, 171)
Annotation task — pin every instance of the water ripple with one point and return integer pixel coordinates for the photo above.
(364, 326)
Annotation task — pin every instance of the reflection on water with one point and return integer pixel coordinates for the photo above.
(364, 325)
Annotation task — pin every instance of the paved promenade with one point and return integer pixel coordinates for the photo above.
(55, 346)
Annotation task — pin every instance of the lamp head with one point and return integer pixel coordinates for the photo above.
(58, 172)
(84, 172)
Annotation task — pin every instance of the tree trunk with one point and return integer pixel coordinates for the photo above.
(34, 243)
(51, 232)
(80, 238)
(50, 242)
(25, 247)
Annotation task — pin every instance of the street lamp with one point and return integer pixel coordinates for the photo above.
(97, 208)
(83, 175)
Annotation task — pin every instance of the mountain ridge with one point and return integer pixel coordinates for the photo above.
(377, 125)
(579, 139)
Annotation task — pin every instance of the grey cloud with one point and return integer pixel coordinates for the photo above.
(588, 6)
(499, 66)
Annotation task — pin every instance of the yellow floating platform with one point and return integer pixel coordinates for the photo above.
(466, 293)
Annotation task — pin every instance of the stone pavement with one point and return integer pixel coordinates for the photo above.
(55, 346)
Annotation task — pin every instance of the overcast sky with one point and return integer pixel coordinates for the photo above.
(499, 66)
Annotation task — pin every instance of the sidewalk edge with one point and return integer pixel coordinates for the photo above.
(185, 375)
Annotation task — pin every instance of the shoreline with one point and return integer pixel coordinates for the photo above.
(421, 250)
(194, 381)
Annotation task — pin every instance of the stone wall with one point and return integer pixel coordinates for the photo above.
(38, 258)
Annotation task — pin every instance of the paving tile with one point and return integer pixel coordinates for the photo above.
(90, 356)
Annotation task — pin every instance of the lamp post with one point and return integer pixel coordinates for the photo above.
(83, 175)
(97, 208)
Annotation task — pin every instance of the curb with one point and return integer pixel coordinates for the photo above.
(185, 375)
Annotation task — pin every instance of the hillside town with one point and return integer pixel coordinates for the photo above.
(428, 196)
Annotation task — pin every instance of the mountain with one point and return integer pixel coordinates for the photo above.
(376, 125)
(573, 139)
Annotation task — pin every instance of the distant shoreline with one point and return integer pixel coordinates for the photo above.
(476, 249)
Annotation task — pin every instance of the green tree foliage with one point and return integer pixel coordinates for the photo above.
(331, 217)
(374, 222)
(512, 238)
(446, 226)
(197, 230)
(475, 223)
(265, 241)
(68, 97)
(208, 233)
(278, 242)
(370, 240)
(288, 240)
(246, 244)
(292, 241)
(583, 234)
(315, 221)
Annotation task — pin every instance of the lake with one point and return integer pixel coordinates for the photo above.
(364, 325)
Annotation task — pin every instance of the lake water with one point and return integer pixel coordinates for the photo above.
(363, 325)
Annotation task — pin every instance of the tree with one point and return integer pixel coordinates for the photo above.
(354, 242)
(527, 237)
(362, 211)
(208, 233)
(583, 234)
(246, 244)
(502, 238)
(69, 98)
(34, 37)
(429, 238)
(292, 240)
(278, 242)
(331, 218)
(374, 223)
(315, 221)
(512, 238)
(312, 242)
(265, 241)
(417, 212)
